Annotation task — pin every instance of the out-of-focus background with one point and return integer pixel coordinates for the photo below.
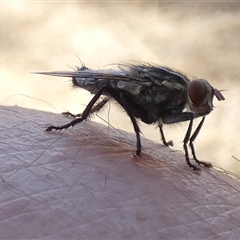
(198, 38)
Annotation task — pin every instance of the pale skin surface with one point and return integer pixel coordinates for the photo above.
(84, 183)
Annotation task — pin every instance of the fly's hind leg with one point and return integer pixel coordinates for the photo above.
(84, 115)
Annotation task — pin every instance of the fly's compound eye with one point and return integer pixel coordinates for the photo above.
(197, 92)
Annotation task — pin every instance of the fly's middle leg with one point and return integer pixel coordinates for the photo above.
(96, 108)
(134, 122)
(169, 143)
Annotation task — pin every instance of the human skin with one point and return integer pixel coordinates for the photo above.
(85, 183)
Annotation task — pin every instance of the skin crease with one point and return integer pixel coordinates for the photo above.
(85, 183)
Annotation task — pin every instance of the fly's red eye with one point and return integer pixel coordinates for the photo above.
(197, 91)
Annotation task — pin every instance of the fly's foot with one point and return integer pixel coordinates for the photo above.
(205, 164)
(138, 153)
(169, 143)
(50, 128)
(195, 168)
(68, 114)
(192, 166)
(136, 157)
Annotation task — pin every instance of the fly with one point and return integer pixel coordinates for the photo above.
(151, 93)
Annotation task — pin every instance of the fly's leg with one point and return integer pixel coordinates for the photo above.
(185, 141)
(69, 114)
(94, 109)
(100, 105)
(84, 115)
(169, 143)
(134, 122)
(193, 137)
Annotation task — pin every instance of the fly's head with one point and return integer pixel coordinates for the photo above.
(200, 97)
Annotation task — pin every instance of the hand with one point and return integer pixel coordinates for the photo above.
(84, 183)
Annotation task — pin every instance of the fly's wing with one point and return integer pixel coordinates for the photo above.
(94, 80)
(129, 77)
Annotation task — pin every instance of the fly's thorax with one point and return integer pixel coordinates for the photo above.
(200, 97)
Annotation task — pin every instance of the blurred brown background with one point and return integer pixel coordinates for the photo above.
(198, 38)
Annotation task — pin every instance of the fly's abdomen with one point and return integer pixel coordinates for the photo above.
(92, 85)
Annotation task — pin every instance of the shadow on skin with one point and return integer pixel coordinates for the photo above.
(85, 183)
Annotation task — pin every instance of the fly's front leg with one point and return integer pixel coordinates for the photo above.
(181, 117)
(185, 141)
(193, 137)
(84, 116)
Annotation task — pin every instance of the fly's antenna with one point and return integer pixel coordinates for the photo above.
(219, 95)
